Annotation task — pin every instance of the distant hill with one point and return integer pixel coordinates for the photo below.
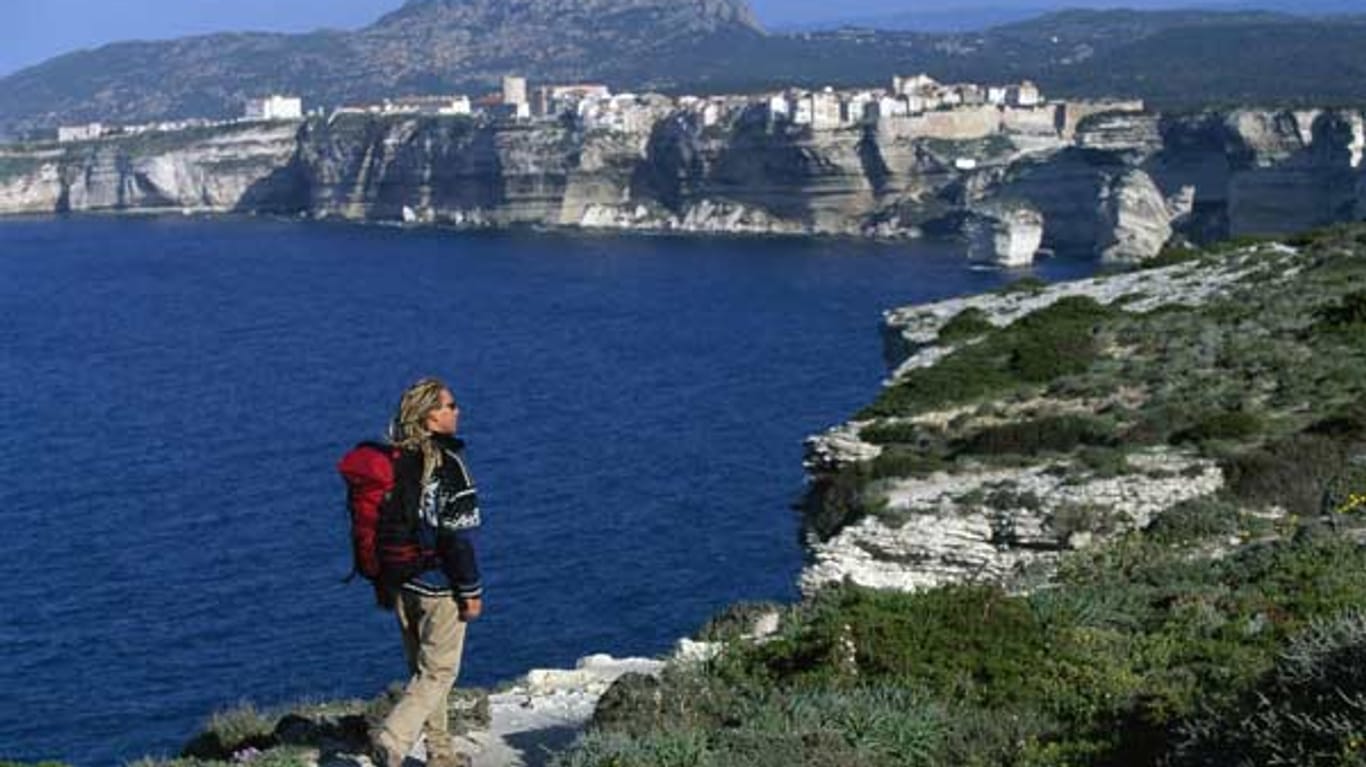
(983, 14)
(425, 46)
(962, 19)
(1175, 59)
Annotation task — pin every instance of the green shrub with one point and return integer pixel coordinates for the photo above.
(735, 620)
(902, 433)
(670, 748)
(1345, 493)
(969, 323)
(1232, 426)
(1293, 472)
(965, 375)
(1054, 341)
(1195, 520)
(1347, 314)
(1310, 710)
(1158, 423)
(968, 643)
(1059, 434)
(1009, 499)
(1105, 462)
(231, 730)
(896, 462)
(1070, 518)
(1345, 425)
(1171, 256)
(836, 500)
(1029, 285)
(1057, 340)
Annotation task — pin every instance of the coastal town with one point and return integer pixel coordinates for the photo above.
(913, 106)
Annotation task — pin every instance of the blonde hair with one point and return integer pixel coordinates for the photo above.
(408, 429)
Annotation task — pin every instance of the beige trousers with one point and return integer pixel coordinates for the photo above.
(433, 640)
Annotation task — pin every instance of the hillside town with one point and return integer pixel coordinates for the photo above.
(913, 106)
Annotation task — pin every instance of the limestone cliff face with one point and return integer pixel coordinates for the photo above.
(1007, 235)
(1257, 172)
(677, 176)
(1119, 188)
(1128, 183)
(456, 172)
(218, 170)
(773, 178)
(1137, 219)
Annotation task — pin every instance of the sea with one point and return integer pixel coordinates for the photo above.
(176, 393)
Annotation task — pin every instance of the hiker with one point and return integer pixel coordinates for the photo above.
(432, 504)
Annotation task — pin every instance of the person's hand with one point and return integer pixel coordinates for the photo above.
(471, 608)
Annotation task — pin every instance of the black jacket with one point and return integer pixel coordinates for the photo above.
(446, 516)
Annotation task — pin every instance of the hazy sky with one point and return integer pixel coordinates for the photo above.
(35, 30)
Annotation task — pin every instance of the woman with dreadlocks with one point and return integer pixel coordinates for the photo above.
(428, 569)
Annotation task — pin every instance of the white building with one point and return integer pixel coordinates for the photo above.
(855, 107)
(1026, 94)
(887, 106)
(778, 106)
(826, 111)
(552, 100)
(970, 94)
(428, 105)
(819, 110)
(708, 112)
(914, 84)
(87, 132)
(996, 94)
(514, 90)
(274, 107)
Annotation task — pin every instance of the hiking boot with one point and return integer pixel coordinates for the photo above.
(384, 752)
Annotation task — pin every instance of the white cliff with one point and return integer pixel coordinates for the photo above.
(1137, 216)
(937, 531)
(1116, 185)
(1005, 235)
(214, 170)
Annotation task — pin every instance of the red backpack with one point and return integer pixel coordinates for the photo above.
(368, 469)
(387, 547)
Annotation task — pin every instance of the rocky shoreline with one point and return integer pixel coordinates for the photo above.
(939, 528)
(1120, 186)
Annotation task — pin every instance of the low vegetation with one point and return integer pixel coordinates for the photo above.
(1228, 631)
(1137, 655)
(305, 734)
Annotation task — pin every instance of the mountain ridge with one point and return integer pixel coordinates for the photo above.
(1173, 59)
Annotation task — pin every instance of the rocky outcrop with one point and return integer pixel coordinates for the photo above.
(1137, 219)
(1261, 172)
(1002, 234)
(936, 531)
(1007, 524)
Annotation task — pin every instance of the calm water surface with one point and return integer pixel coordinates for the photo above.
(177, 392)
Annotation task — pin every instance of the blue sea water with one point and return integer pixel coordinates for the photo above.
(176, 393)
